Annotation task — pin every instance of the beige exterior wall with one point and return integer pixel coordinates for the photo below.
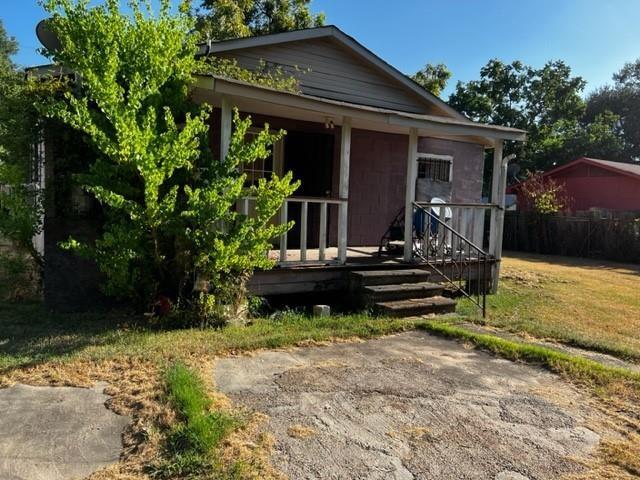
(333, 72)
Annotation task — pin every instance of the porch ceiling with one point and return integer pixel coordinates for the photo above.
(266, 101)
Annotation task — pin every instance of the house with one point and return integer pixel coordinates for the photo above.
(591, 183)
(371, 148)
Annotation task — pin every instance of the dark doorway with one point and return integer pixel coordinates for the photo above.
(310, 157)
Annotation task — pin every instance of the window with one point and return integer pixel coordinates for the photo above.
(435, 167)
(263, 168)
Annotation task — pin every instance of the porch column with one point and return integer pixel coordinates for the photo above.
(226, 120)
(410, 193)
(498, 190)
(343, 191)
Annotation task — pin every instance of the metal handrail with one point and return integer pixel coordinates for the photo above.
(430, 252)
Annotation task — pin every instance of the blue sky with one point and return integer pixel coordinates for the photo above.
(595, 37)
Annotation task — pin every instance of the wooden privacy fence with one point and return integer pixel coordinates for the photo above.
(616, 237)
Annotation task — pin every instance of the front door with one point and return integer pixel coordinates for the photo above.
(310, 157)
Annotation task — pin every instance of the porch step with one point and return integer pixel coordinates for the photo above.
(403, 291)
(365, 278)
(416, 306)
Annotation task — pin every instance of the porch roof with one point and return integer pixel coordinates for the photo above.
(265, 100)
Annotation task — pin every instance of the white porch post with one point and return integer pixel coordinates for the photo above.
(226, 119)
(410, 193)
(343, 217)
(498, 190)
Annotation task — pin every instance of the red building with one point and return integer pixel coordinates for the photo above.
(593, 183)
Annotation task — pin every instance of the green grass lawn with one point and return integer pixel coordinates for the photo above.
(586, 303)
(591, 304)
(30, 335)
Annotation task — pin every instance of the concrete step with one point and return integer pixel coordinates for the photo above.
(385, 293)
(364, 278)
(416, 306)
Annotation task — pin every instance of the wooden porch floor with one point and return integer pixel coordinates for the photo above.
(355, 256)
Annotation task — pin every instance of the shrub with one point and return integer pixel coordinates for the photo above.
(171, 229)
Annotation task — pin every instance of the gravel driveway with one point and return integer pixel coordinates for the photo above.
(410, 406)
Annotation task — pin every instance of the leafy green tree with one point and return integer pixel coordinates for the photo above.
(497, 97)
(225, 19)
(171, 227)
(545, 102)
(564, 141)
(621, 99)
(433, 78)
(8, 47)
(20, 201)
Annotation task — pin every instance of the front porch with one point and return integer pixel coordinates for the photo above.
(332, 277)
(356, 188)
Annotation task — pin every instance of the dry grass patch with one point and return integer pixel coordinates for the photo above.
(300, 431)
(135, 390)
(80, 350)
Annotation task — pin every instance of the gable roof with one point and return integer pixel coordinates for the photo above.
(628, 169)
(346, 41)
(394, 121)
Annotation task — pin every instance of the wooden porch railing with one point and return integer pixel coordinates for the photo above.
(323, 227)
(449, 237)
(467, 219)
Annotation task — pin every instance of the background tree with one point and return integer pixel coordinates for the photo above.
(433, 78)
(623, 100)
(225, 19)
(545, 102)
(171, 228)
(8, 47)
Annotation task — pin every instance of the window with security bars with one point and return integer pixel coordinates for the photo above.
(432, 168)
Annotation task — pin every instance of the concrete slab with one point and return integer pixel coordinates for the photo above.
(56, 433)
(411, 406)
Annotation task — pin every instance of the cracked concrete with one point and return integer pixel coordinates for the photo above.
(410, 406)
(56, 433)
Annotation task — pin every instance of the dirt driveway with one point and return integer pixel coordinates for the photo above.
(411, 406)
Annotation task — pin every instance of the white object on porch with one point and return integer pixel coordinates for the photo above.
(467, 219)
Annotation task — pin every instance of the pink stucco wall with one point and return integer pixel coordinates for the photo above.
(377, 174)
(376, 184)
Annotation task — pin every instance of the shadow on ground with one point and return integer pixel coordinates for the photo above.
(31, 335)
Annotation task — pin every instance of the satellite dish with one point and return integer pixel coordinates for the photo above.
(46, 36)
